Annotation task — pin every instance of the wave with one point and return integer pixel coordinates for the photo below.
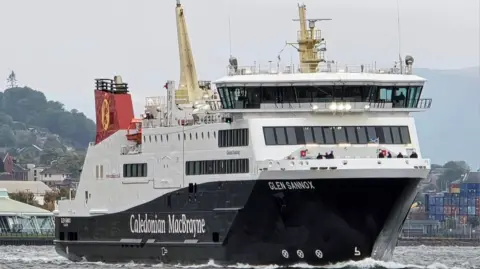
(404, 258)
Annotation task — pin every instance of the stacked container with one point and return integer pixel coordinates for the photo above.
(455, 188)
(461, 203)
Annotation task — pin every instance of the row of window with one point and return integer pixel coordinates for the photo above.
(212, 167)
(192, 136)
(135, 170)
(336, 135)
(250, 97)
(233, 138)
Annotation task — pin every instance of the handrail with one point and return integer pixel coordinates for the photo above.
(422, 103)
(324, 67)
(28, 234)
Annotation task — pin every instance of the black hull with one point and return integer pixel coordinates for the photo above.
(259, 222)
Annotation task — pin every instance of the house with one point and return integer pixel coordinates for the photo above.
(11, 170)
(31, 152)
(36, 187)
(34, 172)
(53, 176)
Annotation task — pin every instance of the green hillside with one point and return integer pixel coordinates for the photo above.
(25, 113)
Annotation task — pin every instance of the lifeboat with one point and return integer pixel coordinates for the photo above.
(134, 131)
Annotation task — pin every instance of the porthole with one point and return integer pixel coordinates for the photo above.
(190, 136)
(196, 136)
(156, 139)
(208, 135)
(178, 137)
(150, 138)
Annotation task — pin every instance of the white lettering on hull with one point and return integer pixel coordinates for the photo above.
(291, 185)
(142, 224)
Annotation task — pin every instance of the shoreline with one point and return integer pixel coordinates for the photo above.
(439, 242)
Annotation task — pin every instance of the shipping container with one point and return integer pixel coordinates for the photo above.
(477, 201)
(447, 210)
(463, 210)
(477, 211)
(455, 211)
(463, 201)
(439, 210)
(440, 217)
(456, 201)
(463, 219)
(439, 201)
(471, 211)
(471, 202)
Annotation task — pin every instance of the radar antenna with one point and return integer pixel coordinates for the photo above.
(12, 80)
(233, 64)
(311, 46)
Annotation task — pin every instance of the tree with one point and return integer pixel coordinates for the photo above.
(52, 197)
(24, 108)
(48, 155)
(24, 197)
(454, 170)
(7, 138)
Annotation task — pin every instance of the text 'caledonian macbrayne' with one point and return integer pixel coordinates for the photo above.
(142, 224)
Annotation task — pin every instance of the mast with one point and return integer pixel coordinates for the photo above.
(188, 89)
(311, 46)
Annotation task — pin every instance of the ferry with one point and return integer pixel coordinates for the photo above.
(317, 163)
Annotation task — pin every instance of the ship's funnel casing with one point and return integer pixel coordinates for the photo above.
(114, 111)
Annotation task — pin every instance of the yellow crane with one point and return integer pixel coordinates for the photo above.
(311, 46)
(189, 88)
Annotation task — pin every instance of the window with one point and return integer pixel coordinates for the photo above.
(233, 138)
(135, 170)
(212, 167)
(329, 135)
(362, 135)
(340, 135)
(405, 135)
(253, 96)
(351, 135)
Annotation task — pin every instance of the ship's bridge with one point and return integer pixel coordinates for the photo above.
(348, 89)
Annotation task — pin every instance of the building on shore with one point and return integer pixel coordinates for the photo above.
(22, 220)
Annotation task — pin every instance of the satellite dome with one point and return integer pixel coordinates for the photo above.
(409, 60)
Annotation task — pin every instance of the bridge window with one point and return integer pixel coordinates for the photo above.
(361, 134)
(212, 167)
(251, 97)
(329, 135)
(308, 135)
(135, 170)
(351, 135)
(233, 138)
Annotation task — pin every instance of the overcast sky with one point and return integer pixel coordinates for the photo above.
(59, 46)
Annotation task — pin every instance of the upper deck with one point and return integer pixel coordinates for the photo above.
(346, 88)
(331, 75)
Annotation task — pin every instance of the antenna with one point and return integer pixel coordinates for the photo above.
(229, 31)
(12, 80)
(229, 35)
(399, 37)
(311, 45)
